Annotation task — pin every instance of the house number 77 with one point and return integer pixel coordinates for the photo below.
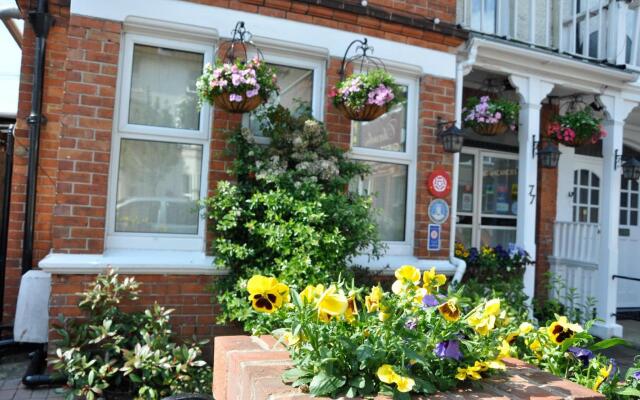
(532, 193)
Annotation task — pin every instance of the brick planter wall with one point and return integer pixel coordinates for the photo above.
(248, 367)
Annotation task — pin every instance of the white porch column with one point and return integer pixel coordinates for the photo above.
(607, 288)
(532, 91)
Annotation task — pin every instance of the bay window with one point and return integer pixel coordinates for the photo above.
(160, 146)
(388, 145)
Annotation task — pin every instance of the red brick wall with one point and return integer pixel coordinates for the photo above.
(80, 84)
(546, 213)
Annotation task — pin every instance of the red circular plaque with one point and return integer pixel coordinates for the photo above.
(439, 183)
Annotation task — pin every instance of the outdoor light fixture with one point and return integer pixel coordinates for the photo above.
(630, 168)
(450, 135)
(549, 154)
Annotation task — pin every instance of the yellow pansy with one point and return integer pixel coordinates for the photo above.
(602, 376)
(536, 346)
(471, 372)
(332, 303)
(405, 384)
(450, 310)
(495, 364)
(492, 307)
(505, 350)
(483, 324)
(406, 276)
(511, 337)
(387, 375)
(352, 308)
(266, 293)
(311, 293)
(419, 294)
(525, 328)
(562, 329)
(290, 339)
(433, 281)
(372, 301)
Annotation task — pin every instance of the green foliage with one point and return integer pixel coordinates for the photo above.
(564, 301)
(577, 127)
(289, 214)
(114, 351)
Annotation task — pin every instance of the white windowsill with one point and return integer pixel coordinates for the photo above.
(197, 263)
(132, 261)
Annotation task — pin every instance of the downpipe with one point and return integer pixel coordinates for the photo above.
(458, 263)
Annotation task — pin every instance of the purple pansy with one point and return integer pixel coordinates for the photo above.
(429, 301)
(411, 324)
(636, 375)
(584, 355)
(448, 349)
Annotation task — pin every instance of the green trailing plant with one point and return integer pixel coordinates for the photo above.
(110, 351)
(288, 214)
(564, 300)
(576, 128)
(484, 110)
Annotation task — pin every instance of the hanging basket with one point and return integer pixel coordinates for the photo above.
(367, 113)
(575, 143)
(490, 129)
(237, 107)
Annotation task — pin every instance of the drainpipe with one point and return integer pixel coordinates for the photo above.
(7, 15)
(4, 228)
(41, 21)
(460, 264)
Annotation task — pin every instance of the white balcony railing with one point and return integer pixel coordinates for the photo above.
(599, 30)
(576, 241)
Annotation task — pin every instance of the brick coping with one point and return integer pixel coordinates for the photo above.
(250, 368)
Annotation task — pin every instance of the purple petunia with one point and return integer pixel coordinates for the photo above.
(584, 355)
(429, 301)
(235, 97)
(448, 349)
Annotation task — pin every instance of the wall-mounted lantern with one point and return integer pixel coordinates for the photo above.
(450, 135)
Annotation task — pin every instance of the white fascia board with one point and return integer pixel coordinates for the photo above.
(432, 62)
(581, 75)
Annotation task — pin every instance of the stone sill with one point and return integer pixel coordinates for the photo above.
(250, 368)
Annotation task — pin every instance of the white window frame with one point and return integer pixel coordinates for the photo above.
(122, 129)
(476, 214)
(409, 158)
(290, 57)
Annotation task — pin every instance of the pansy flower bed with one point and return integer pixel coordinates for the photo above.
(352, 341)
(417, 339)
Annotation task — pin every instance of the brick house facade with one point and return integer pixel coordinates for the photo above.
(83, 58)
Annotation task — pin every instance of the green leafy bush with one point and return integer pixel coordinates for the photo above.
(112, 351)
(289, 214)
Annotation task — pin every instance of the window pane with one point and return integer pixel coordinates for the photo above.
(595, 197)
(463, 235)
(584, 177)
(163, 88)
(594, 216)
(634, 200)
(387, 183)
(465, 183)
(633, 219)
(623, 199)
(158, 186)
(499, 186)
(389, 132)
(296, 92)
(623, 217)
(494, 237)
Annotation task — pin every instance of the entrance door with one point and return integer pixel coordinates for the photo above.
(629, 242)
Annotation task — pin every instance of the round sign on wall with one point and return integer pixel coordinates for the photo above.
(438, 211)
(439, 183)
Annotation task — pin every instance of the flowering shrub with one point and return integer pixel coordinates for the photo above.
(349, 340)
(485, 111)
(287, 215)
(576, 128)
(376, 87)
(239, 81)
